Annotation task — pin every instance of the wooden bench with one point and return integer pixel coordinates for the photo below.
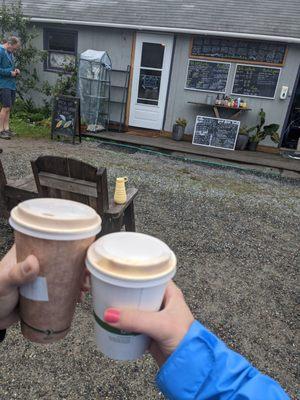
(69, 179)
(75, 180)
(13, 192)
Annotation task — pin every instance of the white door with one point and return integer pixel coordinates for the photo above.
(151, 72)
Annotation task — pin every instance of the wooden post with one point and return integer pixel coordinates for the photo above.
(127, 112)
(3, 183)
(129, 220)
(35, 171)
(102, 191)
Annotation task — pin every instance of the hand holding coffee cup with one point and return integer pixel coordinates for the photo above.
(58, 232)
(128, 270)
(166, 327)
(13, 275)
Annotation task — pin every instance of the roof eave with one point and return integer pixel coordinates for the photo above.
(170, 30)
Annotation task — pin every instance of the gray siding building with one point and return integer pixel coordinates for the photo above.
(183, 54)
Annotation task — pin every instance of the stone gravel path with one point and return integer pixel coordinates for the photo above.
(237, 241)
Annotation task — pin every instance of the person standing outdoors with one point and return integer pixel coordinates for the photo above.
(8, 74)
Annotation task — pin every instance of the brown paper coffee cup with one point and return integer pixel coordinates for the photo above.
(45, 228)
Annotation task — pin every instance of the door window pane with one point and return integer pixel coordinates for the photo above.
(152, 55)
(149, 87)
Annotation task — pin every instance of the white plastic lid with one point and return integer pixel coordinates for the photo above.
(55, 219)
(131, 256)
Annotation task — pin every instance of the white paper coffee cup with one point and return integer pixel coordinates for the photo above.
(129, 270)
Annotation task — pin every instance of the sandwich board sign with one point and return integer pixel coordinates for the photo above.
(66, 117)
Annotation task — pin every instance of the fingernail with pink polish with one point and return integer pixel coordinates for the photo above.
(112, 315)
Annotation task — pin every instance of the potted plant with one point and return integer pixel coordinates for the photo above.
(83, 125)
(242, 139)
(262, 131)
(179, 128)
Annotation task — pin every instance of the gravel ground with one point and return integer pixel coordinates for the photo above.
(237, 240)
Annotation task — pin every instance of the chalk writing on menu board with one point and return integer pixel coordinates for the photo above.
(150, 82)
(216, 132)
(255, 81)
(208, 76)
(238, 49)
(65, 117)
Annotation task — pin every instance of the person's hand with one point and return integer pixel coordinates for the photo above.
(166, 327)
(17, 71)
(85, 286)
(14, 73)
(13, 275)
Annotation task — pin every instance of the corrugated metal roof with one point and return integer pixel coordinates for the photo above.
(262, 17)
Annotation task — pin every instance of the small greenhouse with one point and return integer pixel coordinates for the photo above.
(94, 89)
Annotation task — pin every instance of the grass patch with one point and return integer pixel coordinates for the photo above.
(29, 130)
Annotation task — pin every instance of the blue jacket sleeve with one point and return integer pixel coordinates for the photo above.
(204, 368)
(4, 71)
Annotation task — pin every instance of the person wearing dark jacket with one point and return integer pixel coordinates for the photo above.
(8, 74)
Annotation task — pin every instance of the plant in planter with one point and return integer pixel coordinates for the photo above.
(262, 131)
(242, 139)
(179, 128)
(83, 125)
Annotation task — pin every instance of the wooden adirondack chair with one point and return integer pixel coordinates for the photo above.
(75, 180)
(14, 191)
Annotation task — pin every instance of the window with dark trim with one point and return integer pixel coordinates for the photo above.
(61, 46)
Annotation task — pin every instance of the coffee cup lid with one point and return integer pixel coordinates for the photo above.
(55, 219)
(131, 256)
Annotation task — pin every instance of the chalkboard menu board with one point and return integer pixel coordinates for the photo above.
(207, 75)
(216, 132)
(66, 117)
(238, 49)
(255, 81)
